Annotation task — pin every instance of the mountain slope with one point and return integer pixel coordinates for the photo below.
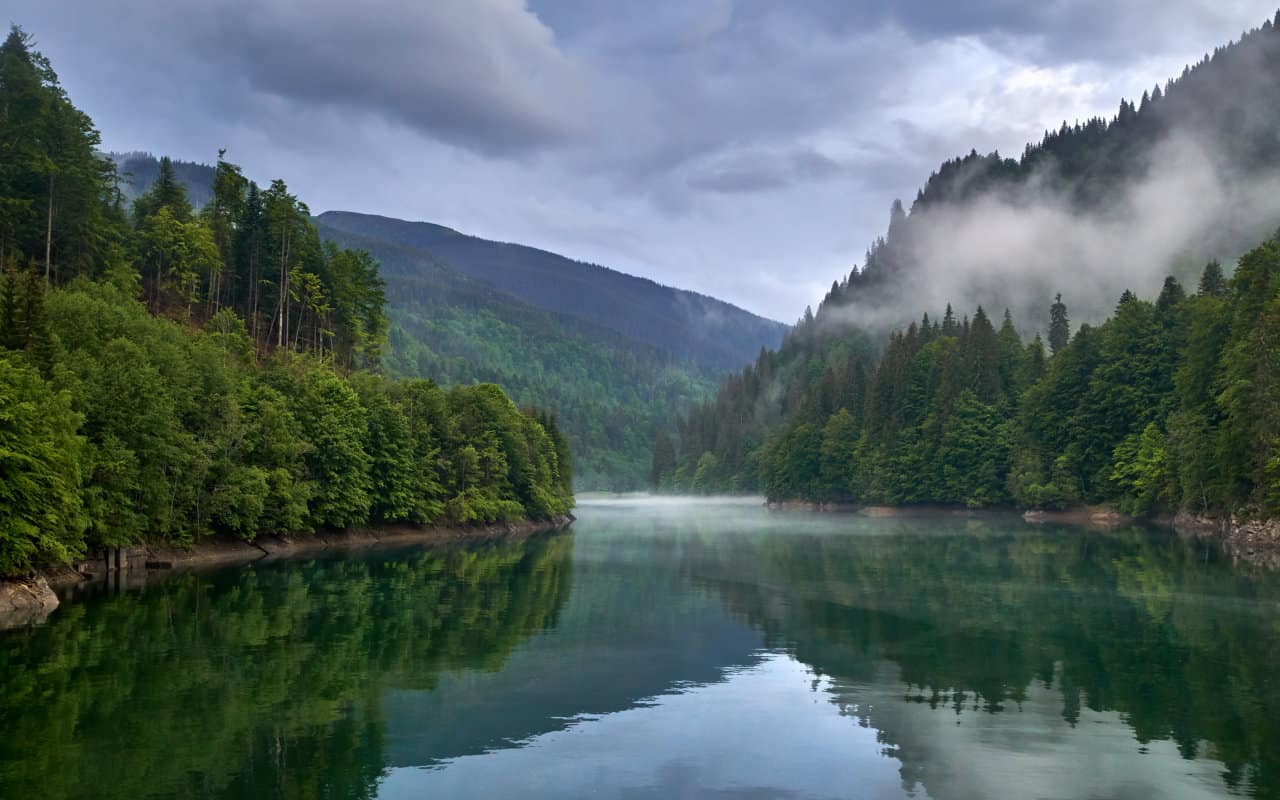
(610, 393)
(691, 326)
(1166, 406)
(138, 171)
(611, 388)
(1188, 173)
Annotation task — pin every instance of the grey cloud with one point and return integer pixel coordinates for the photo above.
(762, 171)
(748, 148)
(485, 75)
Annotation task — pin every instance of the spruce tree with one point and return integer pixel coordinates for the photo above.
(34, 324)
(1059, 326)
(12, 333)
(1212, 281)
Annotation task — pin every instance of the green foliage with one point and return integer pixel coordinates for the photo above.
(149, 429)
(1167, 406)
(226, 404)
(41, 507)
(612, 392)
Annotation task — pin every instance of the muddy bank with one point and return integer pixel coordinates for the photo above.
(1093, 516)
(1249, 541)
(804, 505)
(30, 601)
(217, 553)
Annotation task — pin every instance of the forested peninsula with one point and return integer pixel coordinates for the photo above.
(169, 374)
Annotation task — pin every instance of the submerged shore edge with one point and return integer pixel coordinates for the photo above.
(1249, 541)
(28, 601)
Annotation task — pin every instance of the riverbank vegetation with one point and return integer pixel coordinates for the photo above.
(1168, 405)
(171, 374)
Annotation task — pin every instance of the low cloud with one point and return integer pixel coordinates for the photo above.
(1018, 250)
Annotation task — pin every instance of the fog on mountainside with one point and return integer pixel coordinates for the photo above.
(1187, 174)
(908, 387)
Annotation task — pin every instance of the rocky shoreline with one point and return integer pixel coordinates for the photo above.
(29, 601)
(1251, 541)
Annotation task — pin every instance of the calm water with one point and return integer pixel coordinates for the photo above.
(666, 650)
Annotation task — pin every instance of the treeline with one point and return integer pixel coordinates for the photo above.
(250, 250)
(117, 426)
(1169, 405)
(172, 374)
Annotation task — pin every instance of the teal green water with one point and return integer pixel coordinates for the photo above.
(667, 650)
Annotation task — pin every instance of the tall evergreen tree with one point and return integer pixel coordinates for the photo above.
(664, 459)
(1059, 326)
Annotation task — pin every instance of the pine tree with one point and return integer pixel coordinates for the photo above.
(34, 323)
(1059, 326)
(12, 333)
(949, 327)
(664, 460)
(1212, 281)
(1171, 294)
(166, 192)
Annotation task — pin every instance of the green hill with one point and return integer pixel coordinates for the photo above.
(611, 392)
(691, 326)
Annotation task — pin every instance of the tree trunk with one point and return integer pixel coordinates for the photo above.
(48, 237)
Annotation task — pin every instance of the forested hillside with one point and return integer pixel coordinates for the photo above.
(694, 328)
(1187, 174)
(612, 392)
(612, 377)
(171, 374)
(139, 171)
(1167, 405)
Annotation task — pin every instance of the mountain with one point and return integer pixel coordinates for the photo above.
(906, 386)
(611, 393)
(138, 172)
(1188, 173)
(690, 326)
(617, 357)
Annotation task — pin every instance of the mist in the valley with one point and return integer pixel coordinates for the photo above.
(1017, 250)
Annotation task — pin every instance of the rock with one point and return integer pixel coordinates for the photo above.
(25, 602)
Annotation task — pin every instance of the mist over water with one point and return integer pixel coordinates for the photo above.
(668, 647)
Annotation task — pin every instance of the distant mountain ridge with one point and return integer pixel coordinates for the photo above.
(692, 326)
(138, 170)
(611, 392)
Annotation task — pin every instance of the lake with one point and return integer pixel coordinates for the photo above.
(668, 649)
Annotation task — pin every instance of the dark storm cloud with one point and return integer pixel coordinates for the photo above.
(746, 148)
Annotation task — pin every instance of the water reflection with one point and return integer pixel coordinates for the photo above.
(264, 682)
(671, 650)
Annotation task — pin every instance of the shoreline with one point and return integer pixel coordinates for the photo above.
(29, 601)
(1255, 542)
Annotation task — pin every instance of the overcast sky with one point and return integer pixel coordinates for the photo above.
(741, 148)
